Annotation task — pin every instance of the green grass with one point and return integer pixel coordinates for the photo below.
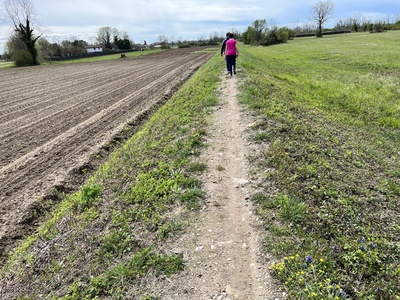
(6, 64)
(330, 111)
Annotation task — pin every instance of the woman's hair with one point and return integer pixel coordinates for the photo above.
(230, 35)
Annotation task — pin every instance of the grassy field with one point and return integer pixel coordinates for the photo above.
(103, 57)
(330, 111)
(329, 192)
(6, 64)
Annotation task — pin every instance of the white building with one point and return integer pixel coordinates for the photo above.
(94, 49)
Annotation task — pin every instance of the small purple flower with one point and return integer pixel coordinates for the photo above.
(316, 243)
(362, 248)
(342, 294)
(335, 248)
(308, 259)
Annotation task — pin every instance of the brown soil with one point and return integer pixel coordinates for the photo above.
(54, 119)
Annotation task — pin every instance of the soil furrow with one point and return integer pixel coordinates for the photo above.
(50, 152)
(59, 118)
(75, 86)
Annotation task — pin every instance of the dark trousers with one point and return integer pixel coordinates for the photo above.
(231, 63)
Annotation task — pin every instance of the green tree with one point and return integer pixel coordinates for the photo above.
(260, 28)
(321, 12)
(246, 35)
(286, 34)
(122, 44)
(46, 50)
(255, 34)
(21, 14)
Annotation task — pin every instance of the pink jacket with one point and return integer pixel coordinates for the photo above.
(231, 47)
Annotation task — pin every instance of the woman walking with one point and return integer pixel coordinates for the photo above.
(231, 53)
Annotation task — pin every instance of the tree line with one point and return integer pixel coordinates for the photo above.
(262, 33)
(27, 46)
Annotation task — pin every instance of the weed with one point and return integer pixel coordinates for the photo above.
(197, 167)
(261, 136)
(116, 242)
(169, 229)
(220, 168)
(292, 209)
(88, 195)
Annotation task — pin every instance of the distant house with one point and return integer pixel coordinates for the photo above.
(137, 46)
(94, 49)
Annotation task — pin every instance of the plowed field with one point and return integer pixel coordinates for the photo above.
(53, 118)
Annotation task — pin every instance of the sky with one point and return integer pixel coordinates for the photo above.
(146, 20)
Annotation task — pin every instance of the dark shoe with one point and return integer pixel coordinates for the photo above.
(234, 72)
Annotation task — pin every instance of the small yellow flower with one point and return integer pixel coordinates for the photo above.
(292, 257)
(321, 260)
(314, 294)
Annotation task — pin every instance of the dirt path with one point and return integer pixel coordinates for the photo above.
(222, 247)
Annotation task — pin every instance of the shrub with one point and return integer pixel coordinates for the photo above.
(22, 58)
(282, 36)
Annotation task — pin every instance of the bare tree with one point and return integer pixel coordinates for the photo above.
(105, 36)
(163, 39)
(321, 12)
(22, 16)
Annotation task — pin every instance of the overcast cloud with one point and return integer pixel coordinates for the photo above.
(184, 19)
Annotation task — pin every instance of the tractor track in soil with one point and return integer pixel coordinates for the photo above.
(53, 119)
